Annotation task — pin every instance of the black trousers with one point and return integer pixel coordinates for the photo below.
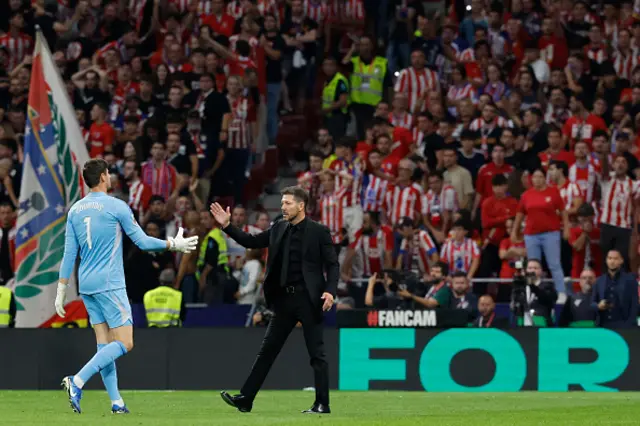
(289, 308)
(364, 116)
(613, 237)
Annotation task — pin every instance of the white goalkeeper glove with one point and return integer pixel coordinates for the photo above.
(181, 244)
(60, 299)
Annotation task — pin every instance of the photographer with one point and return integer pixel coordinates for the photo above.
(532, 300)
(439, 293)
(390, 298)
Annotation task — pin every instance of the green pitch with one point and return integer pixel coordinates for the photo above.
(48, 408)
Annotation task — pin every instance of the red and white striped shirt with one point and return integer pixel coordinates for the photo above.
(18, 47)
(467, 55)
(597, 53)
(624, 64)
(402, 120)
(417, 84)
(402, 202)
(586, 178)
(373, 248)
(242, 115)
(266, 7)
(235, 9)
(349, 9)
(355, 168)
(139, 196)
(418, 137)
(433, 205)
(457, 93)
(569, 192)
(459, 256)
(332, 213)
(617, 201)
(162, 180)
(479, 125)
(374, 194)
(183, 5)
(316, 10)
(417, 252)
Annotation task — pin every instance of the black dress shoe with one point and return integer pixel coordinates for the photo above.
(318, 409)
(241, 402)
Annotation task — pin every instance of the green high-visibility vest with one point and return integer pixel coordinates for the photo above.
(367, 81)
(223, 257)
(537, 320)
(5, 304)
(162, 306)
(583, 323)
(329, 92)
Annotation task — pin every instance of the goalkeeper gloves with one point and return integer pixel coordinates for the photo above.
(60, 299)
(181, 244)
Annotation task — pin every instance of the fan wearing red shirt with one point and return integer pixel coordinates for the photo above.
(101, 134)
(486, 174)
(401, 138)
(221, 23)
(389, 166)
(556, 150)
(582, 125)
(374, 245)
(496, 210)
(552, 45)
(545, 215)
(585, 242)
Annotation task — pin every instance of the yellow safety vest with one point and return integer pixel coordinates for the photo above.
(329, 92)
(367, 81)
(326, 163)
(162, 306)
(223, 257)
(5, 304)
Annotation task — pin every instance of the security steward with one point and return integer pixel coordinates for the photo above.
(335, 99)
(577, 310)
(164, 306)
(368, 81)
(7, 308)
(212, 267)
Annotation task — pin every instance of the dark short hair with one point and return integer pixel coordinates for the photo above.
(9, 143)
(459, 274)
(347, 142)
(499, 180)
(437, 173)
(316, 153)
(136, 165)
(92, 171)
(586, 210)
(375, 216)
(299, 194)
(443, 267)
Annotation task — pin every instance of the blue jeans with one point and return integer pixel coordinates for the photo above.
(273, 119)
(397, 53)
(549, 244)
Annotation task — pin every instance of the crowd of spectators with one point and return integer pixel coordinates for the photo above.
(467, 134)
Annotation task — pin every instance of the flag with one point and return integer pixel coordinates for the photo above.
(54, 152)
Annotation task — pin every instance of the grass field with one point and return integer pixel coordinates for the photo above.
(47, 408)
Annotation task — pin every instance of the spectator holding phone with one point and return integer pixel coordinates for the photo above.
(615, 295)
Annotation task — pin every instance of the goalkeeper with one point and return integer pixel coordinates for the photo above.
(94, 229)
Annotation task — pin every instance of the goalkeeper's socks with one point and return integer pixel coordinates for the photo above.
(110, 380)
(102, 359)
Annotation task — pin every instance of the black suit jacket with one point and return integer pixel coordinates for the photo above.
(318, 256)
(627, 288)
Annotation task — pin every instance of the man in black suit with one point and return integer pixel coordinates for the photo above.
(294, 288)
(615, 295)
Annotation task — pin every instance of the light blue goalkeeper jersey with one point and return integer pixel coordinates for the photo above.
(94, 226)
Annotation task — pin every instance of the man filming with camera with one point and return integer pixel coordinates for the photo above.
(438, 293)
(387, 288)
(532, 299)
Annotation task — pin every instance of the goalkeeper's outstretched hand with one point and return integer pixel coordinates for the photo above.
(181, 244)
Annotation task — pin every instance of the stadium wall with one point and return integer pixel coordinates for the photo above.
(454, 360)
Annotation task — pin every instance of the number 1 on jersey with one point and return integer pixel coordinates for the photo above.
(87, 222)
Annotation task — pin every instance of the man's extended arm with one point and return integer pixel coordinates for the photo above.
(70, 252)
(258, 241)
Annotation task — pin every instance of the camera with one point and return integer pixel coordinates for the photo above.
(405, 280)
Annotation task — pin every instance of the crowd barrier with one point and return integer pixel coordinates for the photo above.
(452, 360)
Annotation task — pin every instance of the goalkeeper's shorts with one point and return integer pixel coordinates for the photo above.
(110, 306)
